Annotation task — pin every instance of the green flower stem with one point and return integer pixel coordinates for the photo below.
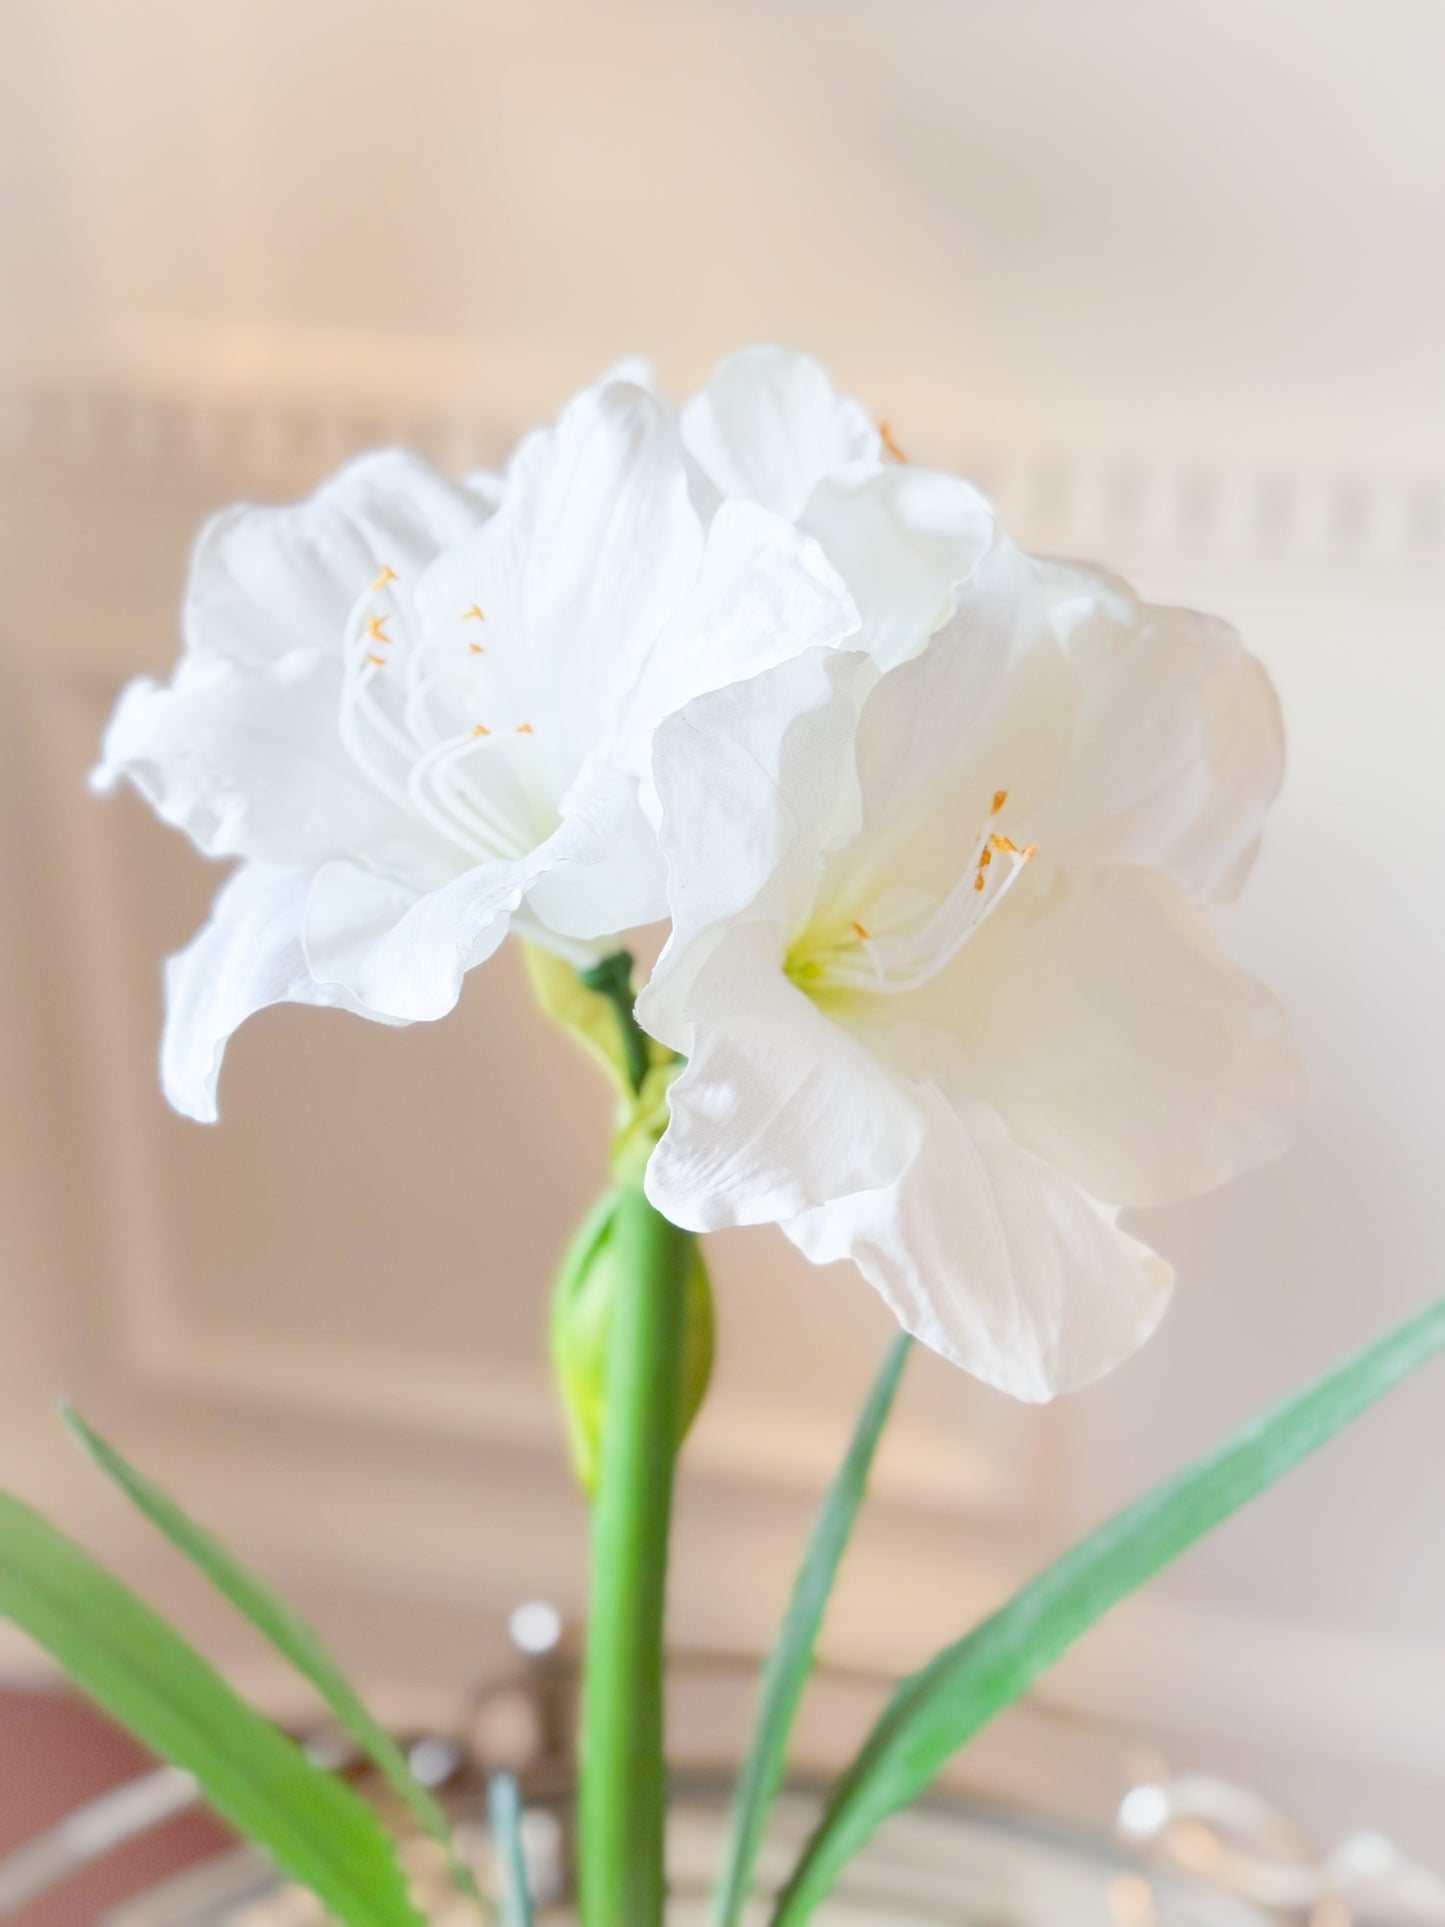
(624, 1783)
(612, 978)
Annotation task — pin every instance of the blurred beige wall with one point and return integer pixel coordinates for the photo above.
(1168, 278)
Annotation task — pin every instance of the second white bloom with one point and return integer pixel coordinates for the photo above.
(941, 976)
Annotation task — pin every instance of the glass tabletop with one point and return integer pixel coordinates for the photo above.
(937, 1866)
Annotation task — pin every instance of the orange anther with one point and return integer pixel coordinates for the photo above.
(473, 614)
(380, 661)
(978, 881)
(890, 446)
(986, 858)
(524, 729)
(1000, 797)
(1005, 843)
(475, 649)
(480, 729)
(859, 932)
(375, 630)
(388, 574)
(1031, 849)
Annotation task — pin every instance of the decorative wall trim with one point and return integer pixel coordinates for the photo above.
(1070, 499)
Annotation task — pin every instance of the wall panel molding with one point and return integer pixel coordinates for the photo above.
(1283, 514)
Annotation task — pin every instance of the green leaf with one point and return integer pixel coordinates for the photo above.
(791, 1659)
(292, 1636)
(131, 1663)
(504, 1809)
(936, 1711)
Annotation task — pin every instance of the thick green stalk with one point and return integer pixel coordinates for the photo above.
(624, 1785)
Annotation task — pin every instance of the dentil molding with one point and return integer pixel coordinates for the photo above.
(1287, 514)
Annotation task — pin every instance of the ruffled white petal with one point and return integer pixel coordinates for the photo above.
(248, 762)
(904, 540)
(764, 594)
(247, 956)
(987, 707)
(1178, 748)
(615, 878)
(769, 426)
(402, 952)
(595, 544)
(1103, 1018)
(995, 1259)
(265, 581)
(754, 781)
(778, 1108)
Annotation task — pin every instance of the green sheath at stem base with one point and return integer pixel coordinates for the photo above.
(624, 1787)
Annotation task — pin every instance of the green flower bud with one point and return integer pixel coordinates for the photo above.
(581, 1311)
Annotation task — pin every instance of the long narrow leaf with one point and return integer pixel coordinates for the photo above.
(791, 1659)
(141, 1672)
(504, 1809)
(935, 1711)
(293, 1637)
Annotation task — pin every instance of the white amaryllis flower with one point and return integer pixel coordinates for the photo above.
(941, 974)
(419, 713)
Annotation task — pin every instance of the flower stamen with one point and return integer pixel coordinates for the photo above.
(464, 814)
(919, 937)
(388, 574)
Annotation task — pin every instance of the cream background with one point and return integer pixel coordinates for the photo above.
(1168, 278)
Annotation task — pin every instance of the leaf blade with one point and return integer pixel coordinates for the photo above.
(937, 1710)
(124, 1656)
(791, 1660)
(292, 1636)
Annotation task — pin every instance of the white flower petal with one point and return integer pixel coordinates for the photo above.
(265, 581)
(1179, 749)
(636, 370)
(595, 544)
(248, 762)
(1104, 1019)
(987, 707)
(778, 1108)
(753, 782)
(402, 951)
(615, 879)
(765, 594)
(903, 540)
(769, 426)
(247, 956)
(995, 1259)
